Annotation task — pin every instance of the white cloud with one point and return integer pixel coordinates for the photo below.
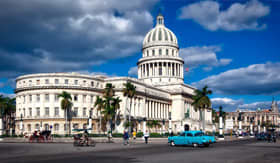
(8, 95)
(133, 71)
(229, 104)
(257, 79)
(235, 18)
(203, 56)
(69, 35)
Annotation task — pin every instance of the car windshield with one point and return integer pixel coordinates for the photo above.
(198, 134)
(182, 134)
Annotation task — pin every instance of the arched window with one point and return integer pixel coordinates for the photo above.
(37, 126)
(29, 127)
(46, 127)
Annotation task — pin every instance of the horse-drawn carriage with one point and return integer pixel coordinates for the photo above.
(41, 137)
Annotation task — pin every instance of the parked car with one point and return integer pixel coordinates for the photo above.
(191, 138)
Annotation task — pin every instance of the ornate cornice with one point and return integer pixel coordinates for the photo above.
(57, 87)
(159, 59)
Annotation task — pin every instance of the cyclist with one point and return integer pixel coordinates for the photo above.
(85, 137)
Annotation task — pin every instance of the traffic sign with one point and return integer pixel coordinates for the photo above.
(229, 124)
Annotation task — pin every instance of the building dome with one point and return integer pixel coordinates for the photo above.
(160, 35)
(160, 63)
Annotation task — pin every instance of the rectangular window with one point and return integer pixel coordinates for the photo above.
(47, 97)
(153, 51)
(159, 51)
(166, 51)
(38, 98)
(56, 81)
(30, 112)
(47, 81)
(76, 82)
(92, 84)
(38, 111)
(56, 111)
(85, 82)
(23, 112)
(30, 82)
(84, 98)
(84, 112)
(38, 82)
(91, 99)
(30, 98)
(66, 81)
(23, 99)
(47, 111)
(75, 97)
(75, 112)
(56, 98)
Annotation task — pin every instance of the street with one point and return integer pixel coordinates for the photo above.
(238, 151)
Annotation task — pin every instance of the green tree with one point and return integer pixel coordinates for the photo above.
(7, 108)
(66, 104)
(153, 124)
(108, 106)
(129, 91)
(201, 101)
(99, 103)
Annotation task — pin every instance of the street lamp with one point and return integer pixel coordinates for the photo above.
(169, 123)
(90, 122)
(221, 135)
(251, 126)
(240, 125)
(21, 124)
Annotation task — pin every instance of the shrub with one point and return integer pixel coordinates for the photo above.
(155, 135)
(117, 135)
(139, 134)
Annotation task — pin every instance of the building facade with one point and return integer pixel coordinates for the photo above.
(161, 93)
(259, 118)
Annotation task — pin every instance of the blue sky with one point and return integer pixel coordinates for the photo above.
(231, 46)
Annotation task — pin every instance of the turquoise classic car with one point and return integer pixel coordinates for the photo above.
(193, 138)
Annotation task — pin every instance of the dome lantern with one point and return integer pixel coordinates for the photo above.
(160, 19)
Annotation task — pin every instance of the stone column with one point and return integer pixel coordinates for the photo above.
(221, 135)
(240, 129)
(1, 127)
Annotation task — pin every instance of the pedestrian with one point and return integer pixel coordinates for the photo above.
(146, 136)
(171, 134)
(125, 138)
(134, 135)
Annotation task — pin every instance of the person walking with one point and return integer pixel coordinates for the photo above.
(146, 136)
(134, 135)
(125, 138)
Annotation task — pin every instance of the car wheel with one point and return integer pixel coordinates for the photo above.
(195, 145)
(172, 144)
(206, 145)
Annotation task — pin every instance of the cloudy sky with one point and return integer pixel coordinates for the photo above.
(231, 46)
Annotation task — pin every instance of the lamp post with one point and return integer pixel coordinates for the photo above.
(169, 123)
(1, 122)
(163, 127)
(221, 135)
(259, 127)
(90, 122)
(144, 125)
(240, 125)
(251, 127)
(21, 125)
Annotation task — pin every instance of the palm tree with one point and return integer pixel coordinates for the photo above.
(201, 101)
(153, 123)
(129, 91)
(99, 103)
(116, 105)
(7, 108)
(109, 90)
(66, 105)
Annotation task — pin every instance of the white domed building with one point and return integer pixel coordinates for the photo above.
(161, 93)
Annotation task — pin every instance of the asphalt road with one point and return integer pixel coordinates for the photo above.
(241, 152)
